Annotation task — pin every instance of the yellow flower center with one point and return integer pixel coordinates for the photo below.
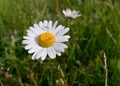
(46, 39)
(70, 15)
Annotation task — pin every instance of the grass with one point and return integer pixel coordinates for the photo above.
(96, 32)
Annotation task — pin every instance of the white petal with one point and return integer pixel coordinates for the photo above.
(28, 46)
(68, 11)
(51, 52)
(29, 38)
(28, 42)
(26, 37)
(50, 25)
(39, 28)
(34, 55)
(36, 26)
(62, 45)
(30, 33)
(64, 12)
(34, 30)
(57, 29)
(58, 53)
(39, 54)
(58, 48)
(37, 47)
(62, 38)
(34, 46)
(54, 26)
(40, 24)
(62, 32)
(25, 42)
(45, 23)
(43, 56)
(32, 50)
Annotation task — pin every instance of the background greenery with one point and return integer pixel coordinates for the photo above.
(96, 32)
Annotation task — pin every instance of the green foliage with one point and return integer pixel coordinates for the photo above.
(96, 32)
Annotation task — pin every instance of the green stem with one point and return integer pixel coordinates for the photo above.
(69, 23)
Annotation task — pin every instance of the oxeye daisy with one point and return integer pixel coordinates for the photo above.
(46, 39)
(71, 14)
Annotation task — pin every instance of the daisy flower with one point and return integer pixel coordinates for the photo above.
(71, 14)
(46, 39)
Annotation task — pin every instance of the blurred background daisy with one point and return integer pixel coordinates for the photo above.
(71, 14)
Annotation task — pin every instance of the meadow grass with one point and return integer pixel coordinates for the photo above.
(95, 33)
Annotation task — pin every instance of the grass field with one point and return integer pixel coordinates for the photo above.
(94, 35)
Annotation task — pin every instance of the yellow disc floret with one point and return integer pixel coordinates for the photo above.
(46, 39)
(70, 15)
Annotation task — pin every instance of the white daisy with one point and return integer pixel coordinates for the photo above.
(46, 38)
(71, 14)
